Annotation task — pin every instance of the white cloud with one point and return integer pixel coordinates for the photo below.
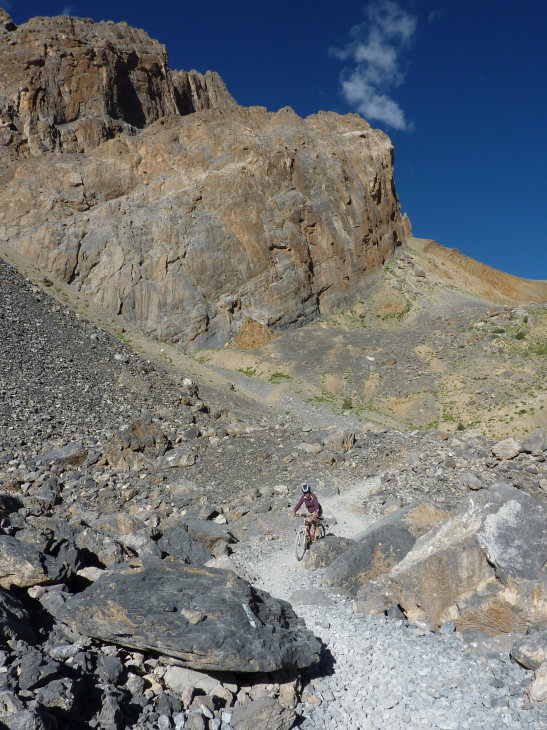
(373, 58)
(67, 10)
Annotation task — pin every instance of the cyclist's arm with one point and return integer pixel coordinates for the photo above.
(295, 510)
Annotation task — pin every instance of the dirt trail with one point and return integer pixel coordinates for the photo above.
(270, 567)
(346, 507)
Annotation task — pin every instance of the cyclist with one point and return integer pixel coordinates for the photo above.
(312, 505)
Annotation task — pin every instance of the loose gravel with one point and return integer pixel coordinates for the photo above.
(380, 673)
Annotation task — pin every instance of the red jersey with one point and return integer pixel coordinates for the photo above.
(311, 502)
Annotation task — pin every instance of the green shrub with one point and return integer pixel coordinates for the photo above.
(249, 372)
(276, 378)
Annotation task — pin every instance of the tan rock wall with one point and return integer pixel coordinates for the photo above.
(185, 224)
(200, 221)
(69, 84)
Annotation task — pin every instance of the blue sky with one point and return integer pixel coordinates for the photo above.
(458, 86)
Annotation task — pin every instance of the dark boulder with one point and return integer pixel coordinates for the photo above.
(176, 542)
(22, 565)
(8, 504)
(70, 455)
(208, 618)
(535, 443)
(35, 670)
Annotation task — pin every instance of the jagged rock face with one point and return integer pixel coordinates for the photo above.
(198, 91)
(70, 83)
(197, 222)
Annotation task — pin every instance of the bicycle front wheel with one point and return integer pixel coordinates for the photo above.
(300, 543)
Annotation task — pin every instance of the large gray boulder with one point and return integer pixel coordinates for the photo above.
(176, 541)
(23, 566)
(531, 650)
(127, 530)
(209, 533)
(325, 551)
(482, 569)
(135, 442)
(381, 546)
(207, 618)
(265, 713)
(506, 449)
(535, 443)
(100, 548)
(70, 455)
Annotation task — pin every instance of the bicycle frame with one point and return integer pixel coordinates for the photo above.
(308, 533)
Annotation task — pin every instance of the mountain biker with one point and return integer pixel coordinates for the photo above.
(312, 505)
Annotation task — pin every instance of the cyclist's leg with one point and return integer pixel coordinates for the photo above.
(313, 525)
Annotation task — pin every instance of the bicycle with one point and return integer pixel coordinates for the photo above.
(308, 533)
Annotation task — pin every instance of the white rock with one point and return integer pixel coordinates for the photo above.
(506, 449)
(90, 573)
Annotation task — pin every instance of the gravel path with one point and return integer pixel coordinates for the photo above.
(380, 673)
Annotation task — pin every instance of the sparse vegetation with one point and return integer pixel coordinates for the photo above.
(399, 315)
(249, 372)
(277, 378)
(538, 348)
(325, 397)
(125, 339)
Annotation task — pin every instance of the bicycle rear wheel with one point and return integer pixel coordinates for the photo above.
(300, 543)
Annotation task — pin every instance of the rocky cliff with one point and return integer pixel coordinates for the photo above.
(69, 83)
(187, 223)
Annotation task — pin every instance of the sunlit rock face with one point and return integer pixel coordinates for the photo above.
(155, 194)
(69, 84)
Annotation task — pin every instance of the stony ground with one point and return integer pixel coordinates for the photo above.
(416, 352)
(65, 379)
